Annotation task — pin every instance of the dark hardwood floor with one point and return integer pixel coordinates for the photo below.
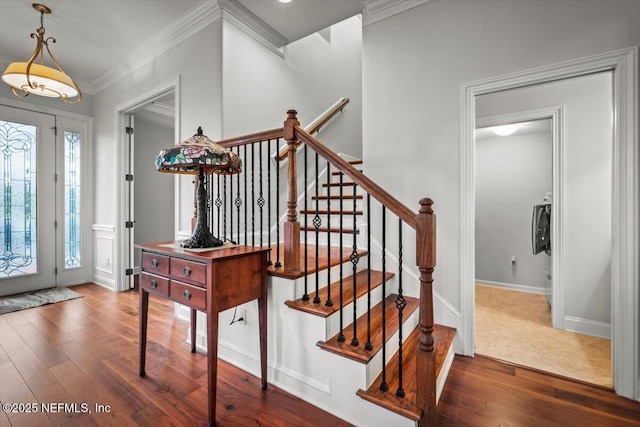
(86, 351)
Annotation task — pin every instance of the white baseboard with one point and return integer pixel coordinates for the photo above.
(587, 327)
(514, 287)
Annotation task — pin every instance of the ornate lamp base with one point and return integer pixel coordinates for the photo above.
(201, 237)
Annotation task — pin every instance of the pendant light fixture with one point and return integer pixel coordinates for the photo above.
(38, 78)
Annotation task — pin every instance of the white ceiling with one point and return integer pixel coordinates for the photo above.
(95, 37)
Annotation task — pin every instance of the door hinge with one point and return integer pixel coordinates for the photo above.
(55, 270)
(55, 130)
(128, 224)
(129, 130)
(55, 177)
(128, 272)
(55, 223)
(128, 177)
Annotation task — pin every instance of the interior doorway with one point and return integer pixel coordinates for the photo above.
(146, 199)
(624, 200)
(513, 302)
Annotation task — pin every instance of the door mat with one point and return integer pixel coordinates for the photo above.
(36, 299)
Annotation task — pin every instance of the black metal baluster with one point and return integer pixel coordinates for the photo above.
(368, 346)
(305, 297)
(246, 205)
(218, 203)
(278, 264)
(269, 262)
(384, 386)
(261, 201)
(401, 303)
(355, 257)
(329, 302)
(224, 208)
(253, 195)
(316, 224)
(210, 201)
(231, 203)
(238, 201)
(341, 334)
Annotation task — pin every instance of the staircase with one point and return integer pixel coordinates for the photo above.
(351, 321)
(367, 332)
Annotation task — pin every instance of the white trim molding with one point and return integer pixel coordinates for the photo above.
(238, 15)
(625, 200)
(195, 20)
(377, 10)
(587, 327)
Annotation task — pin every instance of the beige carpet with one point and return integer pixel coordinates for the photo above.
(516, 327)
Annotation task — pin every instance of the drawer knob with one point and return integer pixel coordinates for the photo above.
(154, 263)
(154, 284)
(187, 271)
(186, 294)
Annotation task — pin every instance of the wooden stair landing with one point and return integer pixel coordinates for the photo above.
(359, 353)
(338, 256)
(320, 309)
(406, 406)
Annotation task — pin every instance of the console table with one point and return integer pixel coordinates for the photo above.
(209, 281)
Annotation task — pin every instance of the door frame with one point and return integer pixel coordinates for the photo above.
(624, 257)
(87, 180)
(123, 159)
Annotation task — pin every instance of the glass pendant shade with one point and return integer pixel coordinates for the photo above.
(41, 80)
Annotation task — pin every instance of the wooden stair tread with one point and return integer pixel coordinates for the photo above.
(338, 255)
(355, 162)
(338, 184)
(320, 309)
(331, 230)
(406, 406)
(338, 197)
(326, 211)
(359, 353)
(341, 173)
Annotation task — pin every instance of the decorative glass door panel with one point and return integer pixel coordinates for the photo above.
(27, 200)
(19, 234)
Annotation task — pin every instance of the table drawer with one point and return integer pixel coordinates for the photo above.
(156, 284)
(192, 296)
(192, 272)
(154, 263)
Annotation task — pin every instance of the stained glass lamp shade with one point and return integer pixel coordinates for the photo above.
(199, 155)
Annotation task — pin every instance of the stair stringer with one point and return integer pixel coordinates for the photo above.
(295, 363)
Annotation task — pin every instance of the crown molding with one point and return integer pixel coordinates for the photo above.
(253, 26)
(191, 23)
(377, 10)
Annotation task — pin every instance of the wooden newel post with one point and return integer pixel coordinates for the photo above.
(291, 226)
(425, 359)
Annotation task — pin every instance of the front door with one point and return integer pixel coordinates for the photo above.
(27, 201)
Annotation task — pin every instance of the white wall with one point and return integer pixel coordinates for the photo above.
(513, 173)
(197, 62)
(259, 86)
(413, 68)
(586, 183)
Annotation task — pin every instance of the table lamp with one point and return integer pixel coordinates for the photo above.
(199, 155)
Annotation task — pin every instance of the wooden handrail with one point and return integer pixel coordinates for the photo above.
(315, 125)
(251, 138)
(368, 185)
